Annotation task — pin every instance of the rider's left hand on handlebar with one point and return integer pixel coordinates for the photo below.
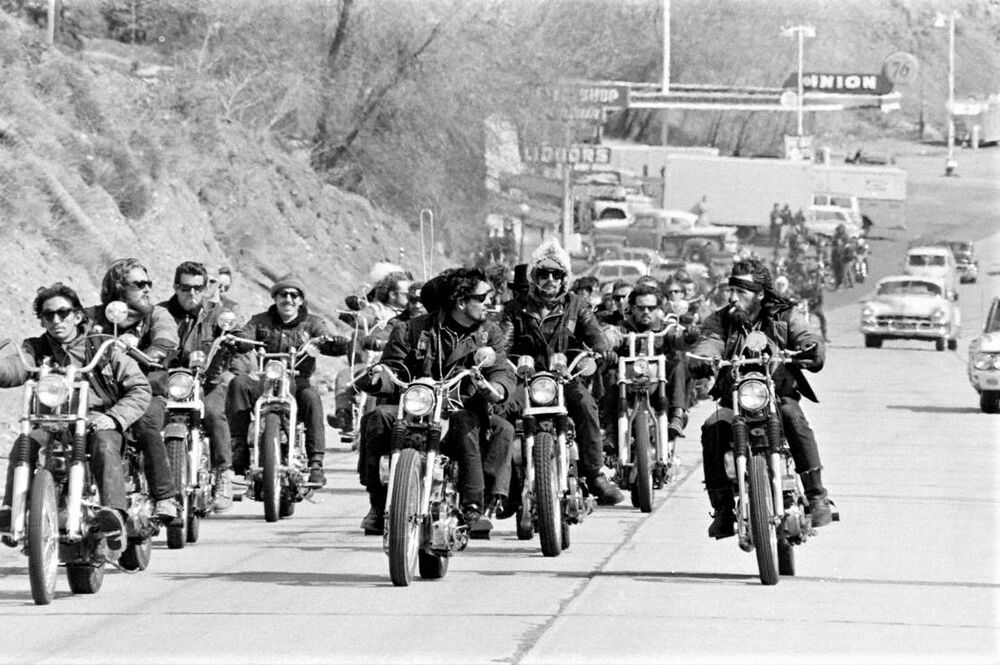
(610, 356)
(491, 392)
(101, 421)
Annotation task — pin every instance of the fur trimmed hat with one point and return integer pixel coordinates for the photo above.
(550, 254)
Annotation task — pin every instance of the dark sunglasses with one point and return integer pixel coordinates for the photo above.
(644, 308)
(190, 288)
(675, 291)
(480, 297)
(295, 295)
(544, 273)
(49, 315)
(142, 284)
(619, 298)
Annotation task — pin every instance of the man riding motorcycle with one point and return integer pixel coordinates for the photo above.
(550, 319)
(119, 395)
(753, 305)
(285, 325)
(196, 328)
(156, 333)
(435, 345)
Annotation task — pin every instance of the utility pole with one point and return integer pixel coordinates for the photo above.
(801, 31)
(665, 78)
(50, 29)
(939, 22)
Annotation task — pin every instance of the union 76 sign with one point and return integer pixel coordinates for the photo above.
(849, 84)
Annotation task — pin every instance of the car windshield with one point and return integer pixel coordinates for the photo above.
(829, 215)
(926, 260)
(993, 323)
(911, 288)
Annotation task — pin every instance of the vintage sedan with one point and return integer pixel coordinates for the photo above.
(984, 361)
(911, 307)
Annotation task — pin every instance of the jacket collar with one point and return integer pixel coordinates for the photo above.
(272, 311)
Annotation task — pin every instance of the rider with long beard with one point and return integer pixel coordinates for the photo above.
(155, 333)
(753, 305)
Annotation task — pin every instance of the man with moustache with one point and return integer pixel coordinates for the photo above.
(753, 305)
(151, 329)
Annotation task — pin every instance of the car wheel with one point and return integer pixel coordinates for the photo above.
(873, 342)
(952, 344)
(940, 344)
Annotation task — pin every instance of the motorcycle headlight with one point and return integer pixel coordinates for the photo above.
(180, 385)
(543, 390)
(752, 395)
(939, 315)
(418, 400)
(274, 370)
(52, 390)
(641, 367)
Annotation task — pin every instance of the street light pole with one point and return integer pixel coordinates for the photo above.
(950, 164)
(801, 31)
(665, 78)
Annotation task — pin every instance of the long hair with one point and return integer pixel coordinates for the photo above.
(116, 279)
(459, 285)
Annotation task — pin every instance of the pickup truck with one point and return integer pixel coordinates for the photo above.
(672, 233)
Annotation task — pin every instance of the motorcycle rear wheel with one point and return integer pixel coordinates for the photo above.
(432, 566)
(271, 480)
(194, 524)
(525, 530)
(643, 486)
(786, 559)
(177, 530)
(547, 493)
(84, 578)
(765, 538)
(404, 529)
(286, 508)
(43, 538)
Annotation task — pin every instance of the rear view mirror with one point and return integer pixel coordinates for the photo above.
(485, 356)
(587, 367)
(116, 311)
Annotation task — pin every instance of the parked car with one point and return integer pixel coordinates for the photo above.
(933, 261)
(965, 259)
(612, 270)
(984, 361)
(911, 307)
(824, 220)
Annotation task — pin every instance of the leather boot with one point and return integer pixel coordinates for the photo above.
(678, 421)
(724, 518)
(241, 456)
(820, 513)
(374, 522)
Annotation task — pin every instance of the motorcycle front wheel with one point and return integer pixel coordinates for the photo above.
(547, 493)
(643, 486)
(43, 538)
(269, 462)
(765, 537)
(177, 530)
(404, 525)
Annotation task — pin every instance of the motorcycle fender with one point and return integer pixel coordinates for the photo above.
(175, 431)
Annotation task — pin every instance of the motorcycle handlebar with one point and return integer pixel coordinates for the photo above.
(783, 357)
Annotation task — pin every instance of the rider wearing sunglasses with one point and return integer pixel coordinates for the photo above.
(196, 328)
(155, 334)
(286, 324)
(550, 319)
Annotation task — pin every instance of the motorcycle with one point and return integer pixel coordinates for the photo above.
(278, 461)
(860, 265)
(552, 497)
(423, 509)
(645, 454)
(188, 446)
(54, 507)
(771, 514)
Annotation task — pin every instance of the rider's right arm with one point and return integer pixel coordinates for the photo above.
(13, 372)
(394, 355)
(134, 390)
(711, 343)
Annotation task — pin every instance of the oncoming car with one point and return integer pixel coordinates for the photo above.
(984, 361)
(910, 307)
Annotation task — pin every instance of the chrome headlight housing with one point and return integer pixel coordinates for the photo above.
(274, 369)
(641, 367)
(418, 400)
(52, 390)
(180, 385)
(752, 395)
(986, 361)
(867, 313)
(939, 315)
(543, 390)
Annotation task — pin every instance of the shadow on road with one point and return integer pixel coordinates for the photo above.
(285, 578)
(933, 409)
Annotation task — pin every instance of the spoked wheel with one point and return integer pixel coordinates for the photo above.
(432, 566)
(547, 494)
(404, 518)
(43, 538)
(136, 554)
(177, 530)
(286, 507)
(786, 559)
(565, 535)
(84, 578)
(765, 537)
(269, 462)
(643, 486)
(193, 524)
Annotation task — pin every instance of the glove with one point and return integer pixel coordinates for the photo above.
(101, 421)
(610, 357)
(488, 394)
